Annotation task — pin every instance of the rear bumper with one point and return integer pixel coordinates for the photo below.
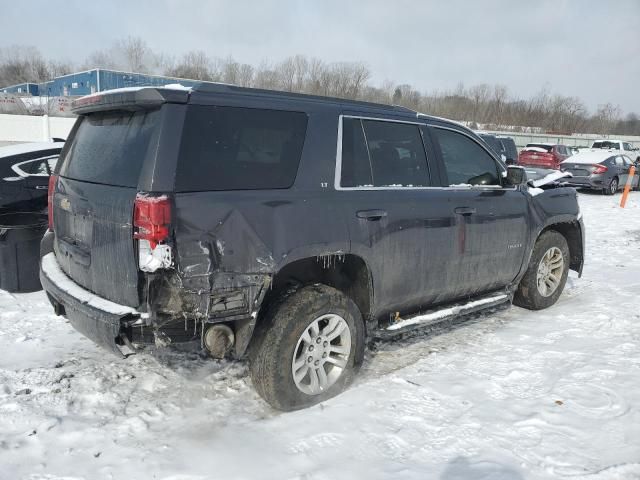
(99, 319)
(586, 182)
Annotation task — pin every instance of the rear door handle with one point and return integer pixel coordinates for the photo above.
(42, 187)
(371, 215)
(464, 210)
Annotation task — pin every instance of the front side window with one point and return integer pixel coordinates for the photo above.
(382, 154)
(465, 161)
(231, 148)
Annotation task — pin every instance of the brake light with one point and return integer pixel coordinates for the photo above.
(151, 219)
(53, 179)
(599, 169)
(152, 222)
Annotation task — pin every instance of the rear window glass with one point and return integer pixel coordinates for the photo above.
(110, 147)
(230, 148)
(605, 145)
(548, 148)
(382, 154)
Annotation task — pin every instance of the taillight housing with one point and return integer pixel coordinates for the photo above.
(53, 179)
(599, 169)
(152, 226)
(152, 219)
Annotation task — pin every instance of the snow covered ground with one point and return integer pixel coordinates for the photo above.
(509, 395)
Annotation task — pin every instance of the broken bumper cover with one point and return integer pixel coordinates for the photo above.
(97, 318)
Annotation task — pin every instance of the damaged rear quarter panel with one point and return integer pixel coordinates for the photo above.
(230, 244)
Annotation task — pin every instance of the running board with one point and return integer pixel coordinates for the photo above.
(402, 325)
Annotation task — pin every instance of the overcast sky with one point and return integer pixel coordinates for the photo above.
(589, 49)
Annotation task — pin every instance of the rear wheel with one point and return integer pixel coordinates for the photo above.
(612, 188)
(308, 349)
(546, 274)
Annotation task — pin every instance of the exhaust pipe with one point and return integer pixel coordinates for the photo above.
(219, 340)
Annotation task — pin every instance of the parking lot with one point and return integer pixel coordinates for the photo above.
(513, 394)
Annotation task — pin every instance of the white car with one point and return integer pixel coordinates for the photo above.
(625, 148)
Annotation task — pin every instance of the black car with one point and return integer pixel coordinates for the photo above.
(289, 229)
(24, 175)
(495, 145)
(509, 149)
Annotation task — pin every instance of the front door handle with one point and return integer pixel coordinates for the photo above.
(371, 215)
(464, 210)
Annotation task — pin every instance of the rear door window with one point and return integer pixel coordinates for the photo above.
(110, 147)
(377, 153)
(465, 161)
(230, 148)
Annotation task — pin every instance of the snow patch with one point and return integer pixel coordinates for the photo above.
(52, 270)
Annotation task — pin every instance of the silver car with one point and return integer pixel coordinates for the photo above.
(595, 169)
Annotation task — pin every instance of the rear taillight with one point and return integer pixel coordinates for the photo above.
(52, 187)
(599, 169)
(152, 224)
(151, 219)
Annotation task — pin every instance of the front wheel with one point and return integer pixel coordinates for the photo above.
(546, 274)
(308, 348)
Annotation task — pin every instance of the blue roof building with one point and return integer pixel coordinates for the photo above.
(22, 88)
(92, 81)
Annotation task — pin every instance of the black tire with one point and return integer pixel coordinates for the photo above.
(528, 295)
(276, 339)
(612, 188)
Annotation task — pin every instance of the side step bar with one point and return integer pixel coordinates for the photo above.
(402, 325)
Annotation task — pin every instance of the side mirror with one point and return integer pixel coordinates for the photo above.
(516, 175)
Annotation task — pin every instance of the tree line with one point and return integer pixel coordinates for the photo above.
(484, 106)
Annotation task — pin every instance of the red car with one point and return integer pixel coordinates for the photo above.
(543, 155)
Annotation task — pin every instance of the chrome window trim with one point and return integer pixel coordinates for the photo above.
(338, 171)
(338, 164)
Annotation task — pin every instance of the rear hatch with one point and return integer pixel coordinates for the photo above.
(538, 156)
(94, 200)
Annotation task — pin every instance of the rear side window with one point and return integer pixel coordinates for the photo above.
(382, 154)
(110, 147)
(465, 161)
(230, 148)
(41, 166)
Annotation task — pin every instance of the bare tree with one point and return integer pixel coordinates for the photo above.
(193, 65)
(135, 53)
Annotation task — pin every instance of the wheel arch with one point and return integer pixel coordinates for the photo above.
(348, 273)
(572, 231)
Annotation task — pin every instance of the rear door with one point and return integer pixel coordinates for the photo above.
(93, 203)
(397, 222)
(492, 228)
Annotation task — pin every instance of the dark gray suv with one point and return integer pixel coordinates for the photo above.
(289, 228)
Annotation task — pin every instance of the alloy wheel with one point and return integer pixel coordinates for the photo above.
(550, 271)
(321, 354)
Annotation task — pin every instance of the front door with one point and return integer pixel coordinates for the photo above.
(492, 230)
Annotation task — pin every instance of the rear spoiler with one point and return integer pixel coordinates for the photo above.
(144, 98)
